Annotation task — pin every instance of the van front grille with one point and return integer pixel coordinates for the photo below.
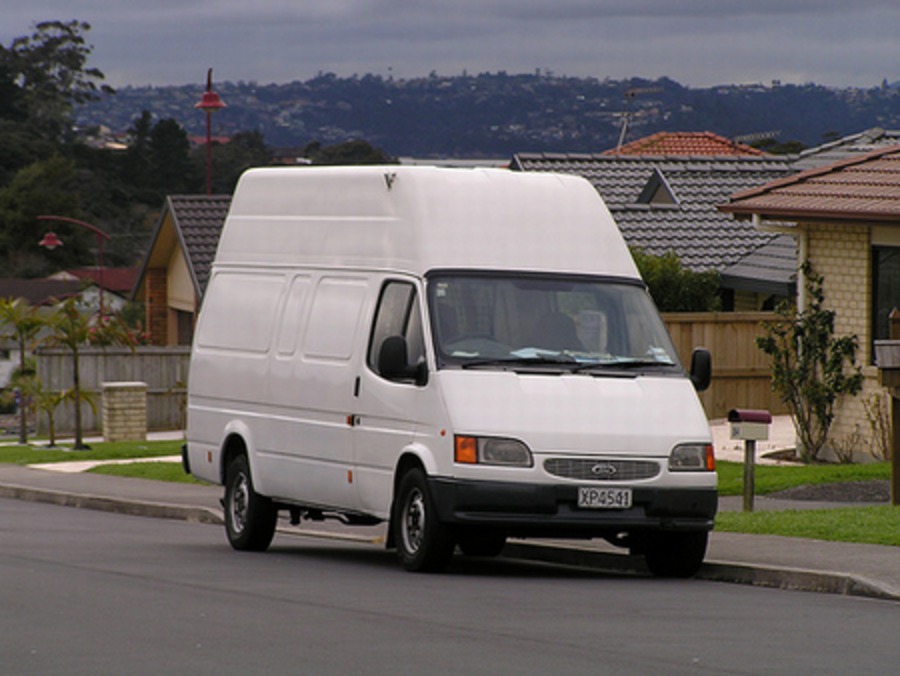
(601, 469)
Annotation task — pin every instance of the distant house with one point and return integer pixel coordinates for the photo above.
(175, 271)
(668, 203)
(847, 147)
(845, 218)
(40, 291)
(117, 284)
(686, 144)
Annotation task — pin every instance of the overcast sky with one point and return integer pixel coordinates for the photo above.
(698, 43)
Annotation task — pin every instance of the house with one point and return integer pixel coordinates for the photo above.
(685, 144)
(116, 285)
(175, 271)
(668, 203)
(845, 217)
(846, 147)
(40, 291)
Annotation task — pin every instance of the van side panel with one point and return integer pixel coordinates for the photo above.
(241, 308)
(305, 440)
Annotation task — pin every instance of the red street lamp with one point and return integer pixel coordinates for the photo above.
(209, 104)
(51, 241)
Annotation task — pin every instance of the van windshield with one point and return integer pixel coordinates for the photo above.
(508, 320)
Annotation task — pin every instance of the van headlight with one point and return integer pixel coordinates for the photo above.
(491, 451)
(692, 458)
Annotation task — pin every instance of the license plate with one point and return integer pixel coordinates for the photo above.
(590, 497)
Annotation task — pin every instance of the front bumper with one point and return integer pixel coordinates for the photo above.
(550, 510)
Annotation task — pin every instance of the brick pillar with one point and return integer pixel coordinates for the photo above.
(156, 301)
(125, 411)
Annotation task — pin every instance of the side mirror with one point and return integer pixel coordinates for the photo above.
(701, 368)
(393, 362)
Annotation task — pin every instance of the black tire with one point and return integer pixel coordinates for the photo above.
(676, 554)
(250, 518)
(424, 544)
(481, 542)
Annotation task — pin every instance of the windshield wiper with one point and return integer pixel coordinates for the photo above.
(624, 363)
(521, 361)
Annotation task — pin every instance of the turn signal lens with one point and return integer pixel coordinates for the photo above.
(465, 450)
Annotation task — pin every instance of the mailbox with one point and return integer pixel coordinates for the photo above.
(749, 425)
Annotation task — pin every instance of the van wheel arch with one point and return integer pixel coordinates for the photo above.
(233, 446)
(407, 462)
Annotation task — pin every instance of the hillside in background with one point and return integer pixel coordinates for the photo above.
(498, 114)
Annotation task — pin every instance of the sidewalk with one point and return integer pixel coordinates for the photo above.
(788, 563)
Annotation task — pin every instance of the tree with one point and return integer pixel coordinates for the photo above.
(71, 329)
(246, 149)
(171, 169)
(45, 187)
(811, 368)
(137, 168)
(22, 323)
(350, 152)
(49, 70)
(674, 288)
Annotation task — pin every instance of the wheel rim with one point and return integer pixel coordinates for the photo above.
(413, 528)
(240, 499)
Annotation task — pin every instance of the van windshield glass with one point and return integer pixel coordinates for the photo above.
(574, 323)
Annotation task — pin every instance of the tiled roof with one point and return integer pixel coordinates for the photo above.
(117, 280)
(198, 220)
(700, 235)
(863, 188)
(685, 144)
(770, 269)
(39, 291)
(846, 148)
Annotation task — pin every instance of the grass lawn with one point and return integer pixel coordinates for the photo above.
(871, 525)
(158, 471)
(773, 478)
(39, 453)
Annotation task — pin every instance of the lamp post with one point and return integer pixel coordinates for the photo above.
(209, 103)
(51, 241)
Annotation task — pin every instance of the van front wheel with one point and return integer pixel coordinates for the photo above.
(676, 554)
(250, 518)
(423, 542)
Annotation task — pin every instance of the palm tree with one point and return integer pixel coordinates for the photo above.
(22, 323)
(70, 328)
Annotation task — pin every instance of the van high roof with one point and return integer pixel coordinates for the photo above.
(415, 219)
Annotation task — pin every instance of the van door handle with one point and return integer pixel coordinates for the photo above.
(353, 420)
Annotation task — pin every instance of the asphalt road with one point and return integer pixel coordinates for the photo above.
(85, 592)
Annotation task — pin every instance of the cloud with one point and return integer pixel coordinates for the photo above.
(698, 42)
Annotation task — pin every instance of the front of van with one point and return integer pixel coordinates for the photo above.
(571, 413)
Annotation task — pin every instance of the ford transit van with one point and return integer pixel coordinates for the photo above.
(466, 354)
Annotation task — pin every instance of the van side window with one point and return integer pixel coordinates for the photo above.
(398, 314)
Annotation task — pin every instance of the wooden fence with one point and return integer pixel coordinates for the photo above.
(163, 369)
(741, 372)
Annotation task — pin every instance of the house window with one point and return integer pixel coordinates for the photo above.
(185, 323)
(885, 288)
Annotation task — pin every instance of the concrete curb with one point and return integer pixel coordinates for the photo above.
(118, 505)
(581, 557)
(776, 577)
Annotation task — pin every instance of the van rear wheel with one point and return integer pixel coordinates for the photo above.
(250, 518)
(676, 554)
(424, 544)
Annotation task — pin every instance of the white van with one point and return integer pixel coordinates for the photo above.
(467, 354)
